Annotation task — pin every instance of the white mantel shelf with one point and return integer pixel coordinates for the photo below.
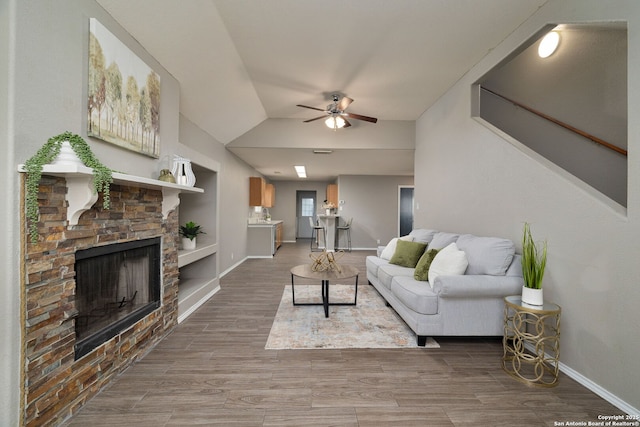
(81, 195)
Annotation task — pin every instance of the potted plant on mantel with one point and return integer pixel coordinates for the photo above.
(66, 148)
(534, 261)
(189, 231)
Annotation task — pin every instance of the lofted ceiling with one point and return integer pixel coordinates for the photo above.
(241, 63)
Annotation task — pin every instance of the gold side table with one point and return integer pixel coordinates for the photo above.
(538, 326)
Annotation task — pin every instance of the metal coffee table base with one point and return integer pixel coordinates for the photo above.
(325, 297)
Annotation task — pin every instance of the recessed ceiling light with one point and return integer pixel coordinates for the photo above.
(301, 171)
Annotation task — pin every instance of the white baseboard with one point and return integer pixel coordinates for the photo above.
(592, 386)
(597, 389)
(228, 270)
(194, 307)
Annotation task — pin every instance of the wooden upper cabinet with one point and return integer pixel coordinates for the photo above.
(257, 188)
(269, 196)
(332, 194)
(261, 193)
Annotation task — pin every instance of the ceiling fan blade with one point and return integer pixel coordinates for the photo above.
(314, 119)
(344, 103)
(306, 106)
(360, 117)
(346, 123)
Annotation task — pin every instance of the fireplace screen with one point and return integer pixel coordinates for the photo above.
(116, 285)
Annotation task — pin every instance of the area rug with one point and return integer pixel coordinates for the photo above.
(369, 324)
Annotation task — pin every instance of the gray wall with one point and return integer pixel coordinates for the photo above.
(479, 182)
(587, 80)
(285, 207)
(43, 82)
(372, 202)
(233, 185)
(9, 228)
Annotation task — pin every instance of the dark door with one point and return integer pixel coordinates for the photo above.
(405, 216)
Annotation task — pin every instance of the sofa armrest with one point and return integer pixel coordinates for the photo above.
(465, 286)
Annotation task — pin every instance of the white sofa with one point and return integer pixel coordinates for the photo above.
(469, 304)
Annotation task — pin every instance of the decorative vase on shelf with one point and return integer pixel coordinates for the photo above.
(182, 172)
(188, 244)
(532, 296)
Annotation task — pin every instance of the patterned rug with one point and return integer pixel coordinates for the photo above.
(370, 324)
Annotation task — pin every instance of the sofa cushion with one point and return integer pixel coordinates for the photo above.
(421, 271)
(387, 272)
(422, 235)
(441, 240)
(407, 254)
(450, 261)
(390, 249)
(487, 255)
(415, 295)
(373, 262)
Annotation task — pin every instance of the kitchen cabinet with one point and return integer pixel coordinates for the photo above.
(264, 239)
(261, 193)
(270, 196)
(332, 194)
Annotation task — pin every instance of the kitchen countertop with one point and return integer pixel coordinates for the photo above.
(265, 223)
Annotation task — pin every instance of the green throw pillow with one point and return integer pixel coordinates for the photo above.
(407, 254)
(422, 268)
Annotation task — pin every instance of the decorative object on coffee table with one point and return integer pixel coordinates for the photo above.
(534, 261)
(189, 232)
(326, 261)
(64, 149)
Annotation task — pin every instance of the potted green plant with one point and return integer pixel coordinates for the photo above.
(534, 262)
(73, 146)
(189, 231)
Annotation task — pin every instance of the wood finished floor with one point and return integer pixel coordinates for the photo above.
(213, 370)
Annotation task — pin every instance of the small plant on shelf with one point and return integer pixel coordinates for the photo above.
(102, 175)
(190, 230)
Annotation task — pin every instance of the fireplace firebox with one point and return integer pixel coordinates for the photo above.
(116, 285)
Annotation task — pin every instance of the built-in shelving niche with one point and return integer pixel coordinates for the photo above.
(199, 271)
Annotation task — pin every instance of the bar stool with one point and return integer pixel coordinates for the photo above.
(315, 229)
(345, 227)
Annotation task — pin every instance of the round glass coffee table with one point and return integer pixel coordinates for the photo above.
(325, 277)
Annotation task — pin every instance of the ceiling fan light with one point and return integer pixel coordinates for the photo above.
(334, 122)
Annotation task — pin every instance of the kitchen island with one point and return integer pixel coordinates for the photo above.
(264, 238)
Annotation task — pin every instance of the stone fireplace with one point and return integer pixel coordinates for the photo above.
(74, 343)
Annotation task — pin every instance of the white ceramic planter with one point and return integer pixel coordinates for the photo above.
(67, 156)
(532, 296)
(188, 244)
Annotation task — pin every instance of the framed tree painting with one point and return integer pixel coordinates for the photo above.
(123, 97)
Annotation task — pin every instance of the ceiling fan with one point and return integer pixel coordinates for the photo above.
(337, 116)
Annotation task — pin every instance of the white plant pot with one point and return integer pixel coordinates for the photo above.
(532, 296)
(67, 156)
(188, 244)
